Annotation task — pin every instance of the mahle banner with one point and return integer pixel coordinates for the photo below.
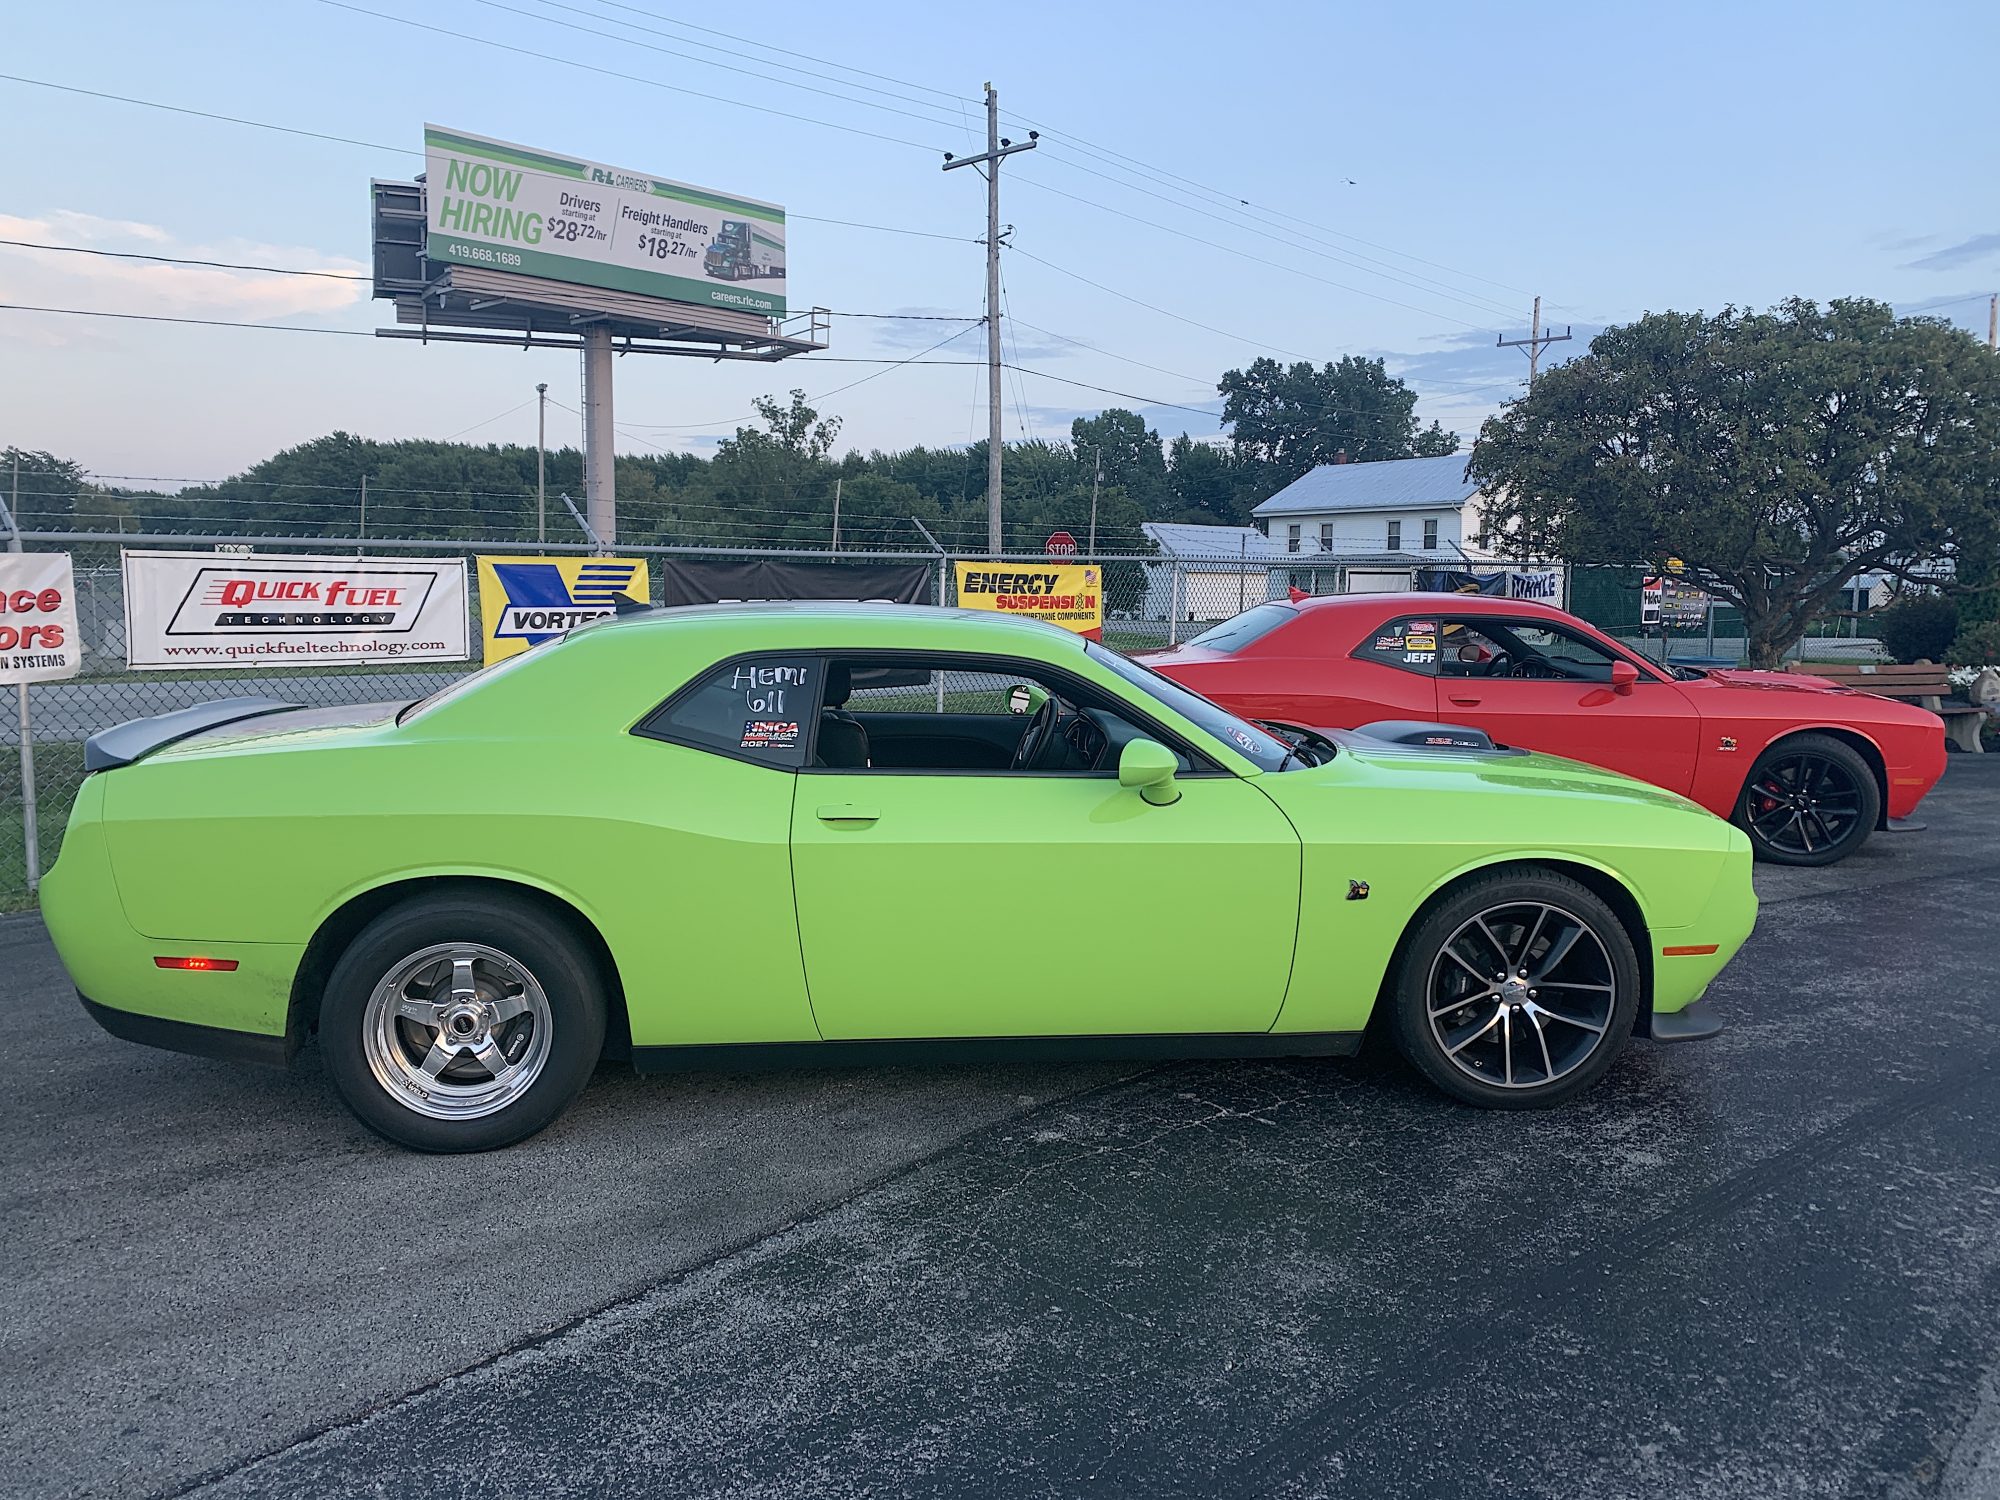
(1068, 595)
(512, 208)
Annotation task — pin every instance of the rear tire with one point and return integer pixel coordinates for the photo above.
(462, 1022)
(1517, 991)
(1809, 800)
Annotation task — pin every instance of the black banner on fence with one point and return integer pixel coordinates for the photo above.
(1458, 581)
(687, 582)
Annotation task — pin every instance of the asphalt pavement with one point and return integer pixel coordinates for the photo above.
(1765, 1265)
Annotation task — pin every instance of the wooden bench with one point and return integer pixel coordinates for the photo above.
(1923, 684)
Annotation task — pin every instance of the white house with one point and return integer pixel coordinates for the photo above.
(1406, 512)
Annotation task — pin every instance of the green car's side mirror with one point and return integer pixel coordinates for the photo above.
(1149, 766)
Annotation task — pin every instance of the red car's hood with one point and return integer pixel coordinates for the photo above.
(1790, 682)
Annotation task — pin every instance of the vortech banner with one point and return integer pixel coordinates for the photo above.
(219, 609)
(524, 601)
(1065, 594)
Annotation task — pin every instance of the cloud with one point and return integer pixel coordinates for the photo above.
(63, 279)
(1968, 252)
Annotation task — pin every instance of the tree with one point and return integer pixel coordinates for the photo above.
(1779, 454)
(1287, 420)
(1130, 454)
(1206, 482)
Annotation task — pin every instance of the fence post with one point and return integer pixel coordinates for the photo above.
(1176, 592)
(31, 841)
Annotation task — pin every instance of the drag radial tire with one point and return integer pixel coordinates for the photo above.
(1516, 991)
(462, 1021)
(1809, 800)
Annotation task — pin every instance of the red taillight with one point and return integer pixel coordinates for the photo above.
(200, 965)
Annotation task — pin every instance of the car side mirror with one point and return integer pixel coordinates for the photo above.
(1623, 675)
(1149, 766)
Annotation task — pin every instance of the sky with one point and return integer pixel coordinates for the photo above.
(1214, 184)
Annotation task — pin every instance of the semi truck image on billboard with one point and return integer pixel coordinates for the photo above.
(502, 207)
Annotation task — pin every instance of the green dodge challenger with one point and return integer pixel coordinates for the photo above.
(825, 833)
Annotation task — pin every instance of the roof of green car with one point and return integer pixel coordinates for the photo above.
(994, 630)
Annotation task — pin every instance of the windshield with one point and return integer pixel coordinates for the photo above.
(1266, 749)
(1239, 631)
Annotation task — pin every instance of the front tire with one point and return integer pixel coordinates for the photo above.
(1516, 992)
(462, 1022)
(1809, 800)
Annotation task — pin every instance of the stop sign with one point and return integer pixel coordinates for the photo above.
(1060, 544)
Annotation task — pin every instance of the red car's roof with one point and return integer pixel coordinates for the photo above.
(1406, 603)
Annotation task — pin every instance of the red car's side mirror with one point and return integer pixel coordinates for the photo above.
(1623, 675)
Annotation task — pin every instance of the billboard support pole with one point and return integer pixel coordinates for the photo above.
(31, 843)
(600, 494)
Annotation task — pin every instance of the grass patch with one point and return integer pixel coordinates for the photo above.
(58, 773)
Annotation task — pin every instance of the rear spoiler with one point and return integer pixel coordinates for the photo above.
(124, 743)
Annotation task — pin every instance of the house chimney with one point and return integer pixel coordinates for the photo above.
(1340, 455)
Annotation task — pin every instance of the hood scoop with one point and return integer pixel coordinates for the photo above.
(1422, 734)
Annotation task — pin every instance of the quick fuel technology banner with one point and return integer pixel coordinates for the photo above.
(38, 635)
(1068, 595)
(217, 609)
(514, 208)
(524, 601)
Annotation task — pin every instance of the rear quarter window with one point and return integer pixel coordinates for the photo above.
(1409, 644)
(760, 709)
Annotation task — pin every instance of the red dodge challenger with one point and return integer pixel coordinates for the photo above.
(1806, 768)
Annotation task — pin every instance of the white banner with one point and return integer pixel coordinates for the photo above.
(209, 610)
(39, 641)
(1546, 586)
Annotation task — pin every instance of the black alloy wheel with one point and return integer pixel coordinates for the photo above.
(1809, 800)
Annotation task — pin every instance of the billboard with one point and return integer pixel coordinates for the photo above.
(212, 609)
(1669, 601)
(512, 208)
(39, 641)
(524, 601)
(1063, 594)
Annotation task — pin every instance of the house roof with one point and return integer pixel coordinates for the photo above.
(1224, 543)
(1389, 484)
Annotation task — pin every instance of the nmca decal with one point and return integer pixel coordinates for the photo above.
(524, 601)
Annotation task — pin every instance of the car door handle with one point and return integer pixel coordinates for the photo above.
(846, 812)
(1464, 702)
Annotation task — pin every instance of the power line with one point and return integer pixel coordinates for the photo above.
(90, 312)
(1152, 307)
(180, 109)
(1229, 250)
(182, 260)
(926, 119)
(570, 62)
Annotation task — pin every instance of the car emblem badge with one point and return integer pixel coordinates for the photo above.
(1728, 742)
(1357, 890)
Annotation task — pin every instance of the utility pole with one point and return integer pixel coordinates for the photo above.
(1993, 321)
(996, 151)
(541, 455)
(836, 514)
(1533, 342)
(364, 507)
(1096, 478)
(599, 456)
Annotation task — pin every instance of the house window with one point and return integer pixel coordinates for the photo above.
(1326, 536)
(1395, 536)
(1430, 533)
(1292, 538)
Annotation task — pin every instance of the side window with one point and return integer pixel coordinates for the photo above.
(1410, 644)
(1522, 649)
(905, 714)
(761, 708)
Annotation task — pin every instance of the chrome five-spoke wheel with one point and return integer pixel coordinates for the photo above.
(457, 1031)
(1521, 995)
(463, 1018)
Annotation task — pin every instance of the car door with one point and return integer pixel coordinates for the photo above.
(944, 901)
(1647, 729)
